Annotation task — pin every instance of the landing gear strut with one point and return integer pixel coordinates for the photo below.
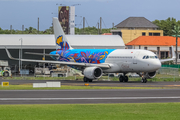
(87, 79)
(123, 78)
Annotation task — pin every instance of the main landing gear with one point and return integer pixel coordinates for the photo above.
(87, 79)
(123, 78)
(143, 80)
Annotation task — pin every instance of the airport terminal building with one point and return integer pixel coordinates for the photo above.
(46, 44)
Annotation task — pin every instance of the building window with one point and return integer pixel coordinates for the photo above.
(164, 55)
(117, 33)
(143, 34)
(145, 48)
(150, 34)
(179, 56)
(156, 34)
(132, 28)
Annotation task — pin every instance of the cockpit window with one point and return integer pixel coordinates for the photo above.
(147, 57)
(144, 57)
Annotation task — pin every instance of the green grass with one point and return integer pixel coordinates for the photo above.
(149, 111)
(30, 87)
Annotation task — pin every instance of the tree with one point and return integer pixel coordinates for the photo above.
(31, 30)
(176, 31)
(166, 25)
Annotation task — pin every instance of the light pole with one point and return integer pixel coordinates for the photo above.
(21, 53)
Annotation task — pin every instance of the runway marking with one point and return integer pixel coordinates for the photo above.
(101, 98)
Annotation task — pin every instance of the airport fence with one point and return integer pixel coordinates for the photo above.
(168, 73)
(171, 66)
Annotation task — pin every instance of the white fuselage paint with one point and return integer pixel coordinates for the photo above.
(130, 60)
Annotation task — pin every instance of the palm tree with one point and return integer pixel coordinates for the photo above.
(176, 31)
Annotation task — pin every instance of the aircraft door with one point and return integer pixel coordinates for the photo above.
(135, 57)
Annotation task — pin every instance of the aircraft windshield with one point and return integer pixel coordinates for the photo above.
(150, 57)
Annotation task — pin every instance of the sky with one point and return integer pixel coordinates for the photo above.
(26, 12)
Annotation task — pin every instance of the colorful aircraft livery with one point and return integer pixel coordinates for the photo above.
(95, 56)
(60, 42)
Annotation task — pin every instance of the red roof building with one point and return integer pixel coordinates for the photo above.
(160, 45)
(154, 41)
(107, 34)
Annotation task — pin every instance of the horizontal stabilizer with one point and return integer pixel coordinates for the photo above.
(57, 55)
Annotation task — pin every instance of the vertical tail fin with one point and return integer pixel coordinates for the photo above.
(60, 38)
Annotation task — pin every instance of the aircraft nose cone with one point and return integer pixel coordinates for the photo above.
(157, 64)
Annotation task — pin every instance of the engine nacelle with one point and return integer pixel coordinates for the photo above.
(150, 74)
(93, 72)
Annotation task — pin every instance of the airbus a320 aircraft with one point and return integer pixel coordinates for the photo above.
(94, 62)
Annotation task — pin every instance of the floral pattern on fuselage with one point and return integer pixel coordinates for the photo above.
(95, 56)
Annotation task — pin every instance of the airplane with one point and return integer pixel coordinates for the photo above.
(94, 62)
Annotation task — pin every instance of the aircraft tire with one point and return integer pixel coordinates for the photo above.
(90, 80)
(125, 78)
(121, 78)
(144, 80)
(6, 74)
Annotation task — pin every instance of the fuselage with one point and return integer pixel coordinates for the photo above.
(120, 60)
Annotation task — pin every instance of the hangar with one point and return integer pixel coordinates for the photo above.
(46, 44)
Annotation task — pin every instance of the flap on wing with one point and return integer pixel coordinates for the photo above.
(105, 66)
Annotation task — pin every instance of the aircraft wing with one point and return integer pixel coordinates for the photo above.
(104, 65)
(170, 59)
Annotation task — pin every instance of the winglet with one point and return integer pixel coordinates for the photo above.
(173, 53)
(170, 59)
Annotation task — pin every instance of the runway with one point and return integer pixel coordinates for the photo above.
(88, 96)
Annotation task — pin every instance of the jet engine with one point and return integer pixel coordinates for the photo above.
(150, 75)
(92, 72)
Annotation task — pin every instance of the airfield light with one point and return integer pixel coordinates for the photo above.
(86, 84)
